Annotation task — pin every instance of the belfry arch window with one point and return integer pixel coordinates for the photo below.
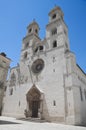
(53, 16)
(54, 44)
(36, 31)
(30, 30)
(54, 31)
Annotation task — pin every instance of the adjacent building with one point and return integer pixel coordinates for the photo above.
(4, 66)
(47, 83)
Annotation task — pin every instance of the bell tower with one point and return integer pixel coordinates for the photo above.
(55, 13)
(29, 41)
(33, 29)
(56, 30)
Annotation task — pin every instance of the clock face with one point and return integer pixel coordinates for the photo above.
(37, 66)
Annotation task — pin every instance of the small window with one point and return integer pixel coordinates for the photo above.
(19, 103)
(25, 55)
(30, 30)
(54, 44)
(27, 44)
(54, 16)
(54, 31)
(11, 91)
(53, 70)
(54, 103)
(81, 94)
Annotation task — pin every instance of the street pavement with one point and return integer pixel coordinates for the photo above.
(8, 123)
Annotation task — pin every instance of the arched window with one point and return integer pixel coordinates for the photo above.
(25, 55)
(54, 44)
(26, 45)
(54, 31)
(54, 16)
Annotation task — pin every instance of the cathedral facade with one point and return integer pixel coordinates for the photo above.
(47, 83)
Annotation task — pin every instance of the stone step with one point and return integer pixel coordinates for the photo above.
(33, 119)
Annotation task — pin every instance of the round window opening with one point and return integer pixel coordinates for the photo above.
(37, 66)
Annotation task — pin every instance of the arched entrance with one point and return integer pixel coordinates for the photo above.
(33, 99)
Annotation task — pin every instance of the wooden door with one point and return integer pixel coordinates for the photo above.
(35, 105)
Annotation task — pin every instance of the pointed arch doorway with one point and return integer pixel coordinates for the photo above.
(34, 101)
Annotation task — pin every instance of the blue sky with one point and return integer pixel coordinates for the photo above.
(15, 15)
